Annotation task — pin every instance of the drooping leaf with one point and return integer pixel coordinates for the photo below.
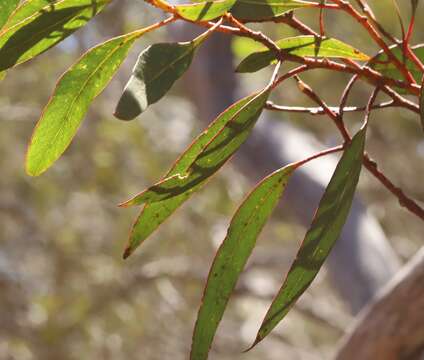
(326, 227)
(250, 10)
(213, 156)
(422, 103)
(37, 25)
(6, 8)
(204, 11)
(387, 68)
(309, 46)
(74, 92)
(156, 70)
(154, 214)
(232, 256)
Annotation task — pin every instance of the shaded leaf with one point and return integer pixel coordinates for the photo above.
(213, 156)
(326, 227)
(156, 70)
(309, 46)
(204, 11)
(232, 256)
(154, 214)
(388, 69)
(37, 25)
(6, 8)
(69, 103)
(250, 10)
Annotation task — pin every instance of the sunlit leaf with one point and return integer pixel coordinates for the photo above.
(387, 68)
(204, 11)
(37, 25)
(326, 227)
(156, 213)
(6, 8)
(69, 103)
(309, 46)
(212, 158)
(250, 10)
(232, 256)
(156, 70)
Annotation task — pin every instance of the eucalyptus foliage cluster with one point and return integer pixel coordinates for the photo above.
(32, 27)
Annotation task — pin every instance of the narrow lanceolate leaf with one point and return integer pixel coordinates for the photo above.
(156, 213)
(37, 25)
(204, 11)
(326, 227)
(422, 103)
(213, 156)
(156, 70)
(232, 256)
(387, 68)
(308, 46)
(251, 10)
(69, 103)
(6, 8)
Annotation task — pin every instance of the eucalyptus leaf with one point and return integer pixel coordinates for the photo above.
(304, 45)
(38, 25)
(74, 92)
(6, 8)
(251, 10)
(213, 156)
(204, 11)
(324, 231)
(387, 68)
(232, 256)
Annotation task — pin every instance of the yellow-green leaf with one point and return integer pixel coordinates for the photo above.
(250, 10)
(204, 11)
(69, 103)
(6, 8)
(37, 25)
(305, 45)
(326, 227)
(232, 256)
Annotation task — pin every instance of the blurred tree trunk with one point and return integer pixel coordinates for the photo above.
(362, 260)
(391, 327)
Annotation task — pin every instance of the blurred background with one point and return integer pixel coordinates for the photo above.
(66, 293)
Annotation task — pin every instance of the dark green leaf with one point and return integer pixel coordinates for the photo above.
(157, 68)
(74, 92)
(387, 68)
(213, 156)
(37, 25)
(6, 8)
(326, 227)
(156, 213)
(204, 11)
(232, 256)
(302, 46)
(250, 10)
(422, 103)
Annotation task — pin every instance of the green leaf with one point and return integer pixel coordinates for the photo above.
(422, 103)
(232, 256)
(212, 158)
(326, 227)
(154, 214)
(309, 46)
(251, 10)
(6, 8)
(74, 92)
(156, 70)
(388, 69)
(204, 11)
(37, 25)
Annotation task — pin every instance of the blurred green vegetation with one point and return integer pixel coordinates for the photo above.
(66, 293)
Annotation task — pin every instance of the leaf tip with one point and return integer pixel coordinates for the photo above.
(127, 252)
